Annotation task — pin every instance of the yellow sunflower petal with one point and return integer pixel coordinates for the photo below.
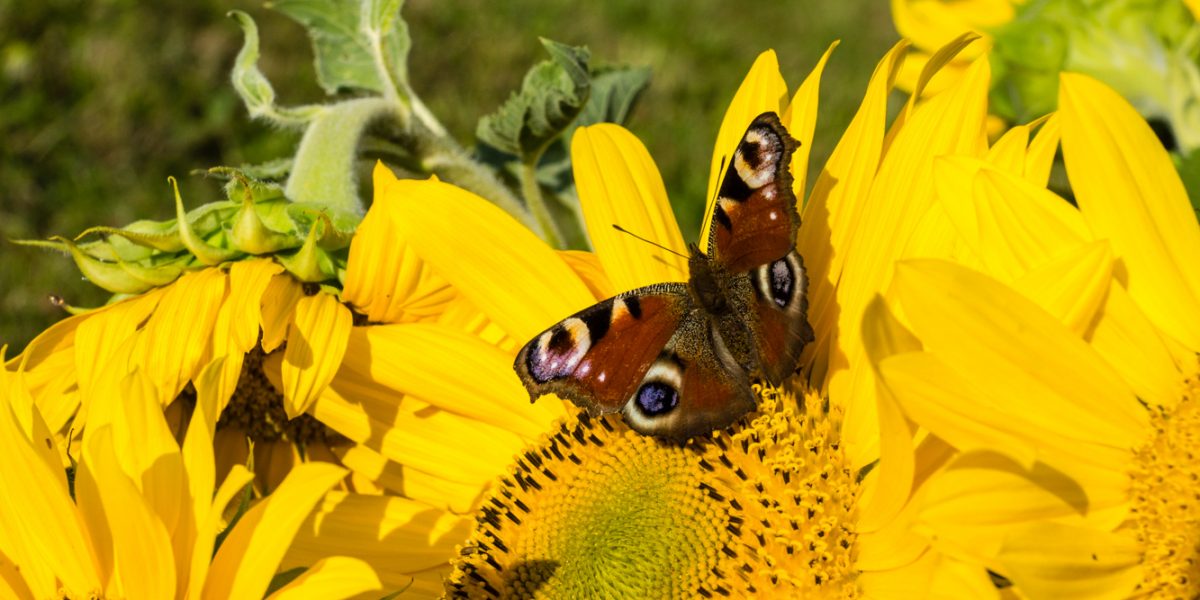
(948, 405)
(618, 184)
(1051, 560)
(1008, 153)
(98, 338)
(1130, 193)
(762, 90)
(429, 362)
(1039, 157)
(589, 269)
(248, 558)
(385, 279)
(800, 118)
(832, 213)
(1073, 287)
(178, 335)
(901, 199)
(398, 536)
(12, 583)
(974, 502)
(1022, 226)
(1006, 342)
(884, 336)
(316, 344)
(334, 577)
(248, 281)
(39, 524)
(1127, 340)
(199, 462)
(490, 258)
(935, 67)
(147, 452)
(142, 545)
(277, 308)
(212, 523)
(406, 481)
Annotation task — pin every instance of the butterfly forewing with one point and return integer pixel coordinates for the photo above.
(598, 356)
(754, 218)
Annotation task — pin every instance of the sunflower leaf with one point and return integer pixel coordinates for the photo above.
(357, 45)
(254, 88)
(552, 95)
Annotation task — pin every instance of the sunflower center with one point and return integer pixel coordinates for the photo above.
(1166, 493)
(792, 497)
(257, 409)
(597, 510)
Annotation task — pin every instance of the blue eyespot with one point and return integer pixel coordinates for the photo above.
(656, 398)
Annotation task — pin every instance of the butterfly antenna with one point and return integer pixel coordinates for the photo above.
(652, 243)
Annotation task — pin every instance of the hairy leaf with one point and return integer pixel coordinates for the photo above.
(358, 45)
(552, 95)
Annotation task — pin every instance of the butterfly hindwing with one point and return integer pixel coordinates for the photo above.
(694, 385)
(598, 356)
(754, 218)
(780, 325)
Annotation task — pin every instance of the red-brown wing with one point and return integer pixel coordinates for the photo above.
(754, 218)
(693, 387)
(780, 325)
(597, 357)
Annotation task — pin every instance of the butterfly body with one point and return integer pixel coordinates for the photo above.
(677, 359)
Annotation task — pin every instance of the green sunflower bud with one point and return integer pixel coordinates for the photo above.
(1146, 50)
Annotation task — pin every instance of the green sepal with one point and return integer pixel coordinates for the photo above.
(357, 45)
(254, 88)
(552, 94)
(336, 227)
(250, 235)
(156, 275)
(156, 235)
(310, 263)
(110, 276)
(204, 252)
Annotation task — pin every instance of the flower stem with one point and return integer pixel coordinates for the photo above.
(537, 204)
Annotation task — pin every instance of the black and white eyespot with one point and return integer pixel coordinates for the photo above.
(782, 281)
(558, 351)
(757, 157)
(658, 394)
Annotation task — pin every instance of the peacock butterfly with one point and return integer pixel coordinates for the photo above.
(677, 358)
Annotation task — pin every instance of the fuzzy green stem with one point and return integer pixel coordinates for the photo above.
(537, 204)
(323, 173)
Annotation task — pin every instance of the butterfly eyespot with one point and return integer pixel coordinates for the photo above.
(655, 398)
(781, 281)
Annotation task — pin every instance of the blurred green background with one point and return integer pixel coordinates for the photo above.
(101, 101)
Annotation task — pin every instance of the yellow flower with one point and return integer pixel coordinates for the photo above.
(437, 414)
(170, 333)
(142, 517)
(1063, 366)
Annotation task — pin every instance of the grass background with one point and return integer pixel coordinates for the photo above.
(101, 101)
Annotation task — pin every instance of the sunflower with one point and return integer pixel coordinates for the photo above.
(1063, 366)
(803, 495)
(140, 516)
(1145, 50)
(171, 332)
